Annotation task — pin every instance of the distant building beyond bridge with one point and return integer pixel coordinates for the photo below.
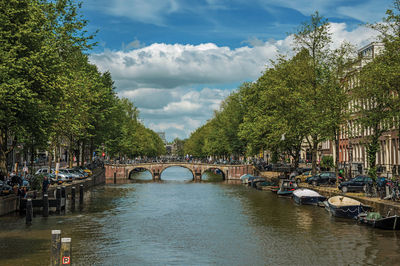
(230, 172)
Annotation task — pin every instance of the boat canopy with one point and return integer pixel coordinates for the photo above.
(246, 176)
(304, 192)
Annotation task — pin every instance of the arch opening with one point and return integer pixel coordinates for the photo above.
(176, 174)
(140, 174)
(213, 175)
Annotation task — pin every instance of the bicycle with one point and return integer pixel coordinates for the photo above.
(370, 190)
(395, 191)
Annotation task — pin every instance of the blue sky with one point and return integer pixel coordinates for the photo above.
(178, 59)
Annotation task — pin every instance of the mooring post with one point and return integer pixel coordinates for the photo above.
(63, 198)
(63, 194)
(45, 205)
(55, 247)
(66, 250)
(115, 177)
(58, 199)
(80, 194)
(29, 211)
(73, 191)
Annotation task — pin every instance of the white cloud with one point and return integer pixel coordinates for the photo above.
(161, 78)
(168, 66)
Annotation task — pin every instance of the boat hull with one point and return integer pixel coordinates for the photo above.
(304, 200)
(349, 211)
(285, 192)
(388, 223)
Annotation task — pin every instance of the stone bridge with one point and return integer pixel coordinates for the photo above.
(230, 172)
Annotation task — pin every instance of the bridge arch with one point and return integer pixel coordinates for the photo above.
(139, 169)
(212, 169)
(177, 165)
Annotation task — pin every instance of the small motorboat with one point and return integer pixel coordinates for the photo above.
(287, 187)
(346, 207)
(245, 178)
(375, 219)
(252, 181)
(307, 196)
(265, 183)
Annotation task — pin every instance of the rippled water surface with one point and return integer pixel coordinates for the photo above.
(177, 222)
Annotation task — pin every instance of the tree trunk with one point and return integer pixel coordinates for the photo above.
(336, 152)
(91, 150)
(83, 153)
(314, 151)
(3, 154)
(32, 160)
(372, 149)
(50, 159)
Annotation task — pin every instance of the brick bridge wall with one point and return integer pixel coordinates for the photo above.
(231, 172)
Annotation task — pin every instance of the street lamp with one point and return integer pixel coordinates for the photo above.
(350, 159)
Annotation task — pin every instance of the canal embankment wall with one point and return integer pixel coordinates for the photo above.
(11, 203)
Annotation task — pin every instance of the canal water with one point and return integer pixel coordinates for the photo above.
(177, 222)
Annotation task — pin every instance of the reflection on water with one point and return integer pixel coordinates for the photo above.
(186, 223)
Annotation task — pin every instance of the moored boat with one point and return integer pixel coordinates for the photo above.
(245, 178)
(307, 196)
(287, 187)
(346, 207)
(375, 219)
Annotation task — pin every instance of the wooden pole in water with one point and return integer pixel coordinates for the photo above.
(73, 191)
(63, 194)
(63, 198)
(80, 194)
(115, 177)
(58, 198)
(45, 205)
(66, 251)
(29, 212)
(55, 247)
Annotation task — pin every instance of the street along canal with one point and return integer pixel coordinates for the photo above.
(183, 223)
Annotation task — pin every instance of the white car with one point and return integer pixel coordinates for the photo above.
(43, 170)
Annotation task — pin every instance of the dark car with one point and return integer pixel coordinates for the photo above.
(322, 178)
(356, 184)
(5, 189)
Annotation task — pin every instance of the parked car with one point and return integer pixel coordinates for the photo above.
(82, 170)
(56, 180)
(79, 173)
(5, 189)
(303, 177)
(355, 184)
(322, 178)
(66, 175)
(42, 171)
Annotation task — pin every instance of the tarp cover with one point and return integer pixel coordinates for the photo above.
(304, 192)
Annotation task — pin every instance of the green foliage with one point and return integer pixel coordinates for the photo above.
(36, 182)
(327, 162)
(50, 93)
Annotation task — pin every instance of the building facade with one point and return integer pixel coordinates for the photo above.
(352, 151)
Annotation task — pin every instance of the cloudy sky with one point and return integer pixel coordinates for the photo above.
(178, 59)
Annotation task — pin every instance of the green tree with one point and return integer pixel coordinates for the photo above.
(314, 37)
(30, 65)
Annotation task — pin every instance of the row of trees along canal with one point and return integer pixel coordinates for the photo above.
(306, 97)
(51, 95)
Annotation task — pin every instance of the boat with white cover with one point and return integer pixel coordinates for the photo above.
(307, 196)
(346, 207)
